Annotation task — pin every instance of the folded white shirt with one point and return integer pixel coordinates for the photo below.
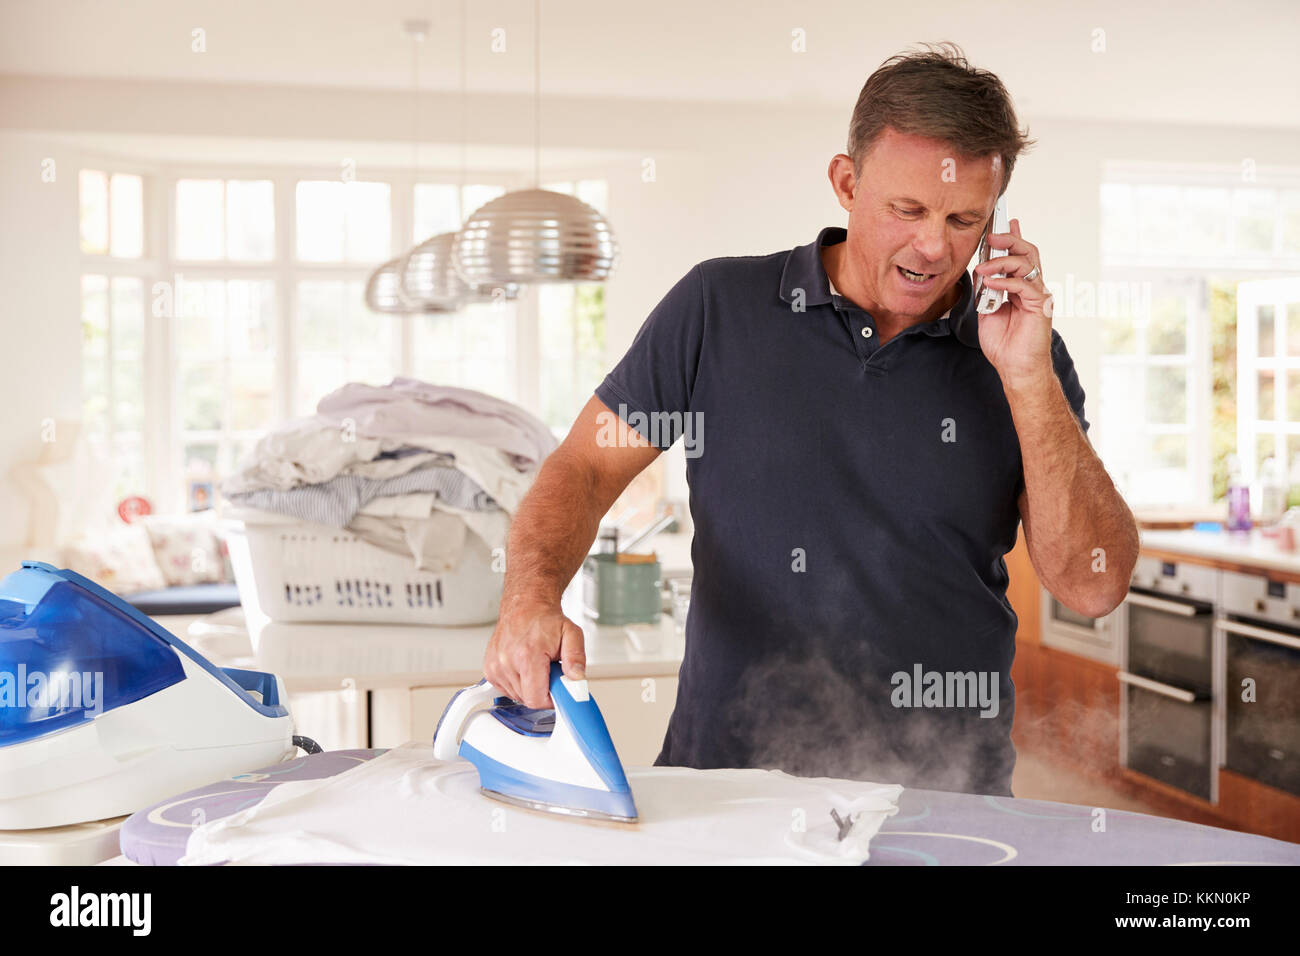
(405, 807)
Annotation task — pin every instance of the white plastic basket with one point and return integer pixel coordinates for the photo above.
(291, 570)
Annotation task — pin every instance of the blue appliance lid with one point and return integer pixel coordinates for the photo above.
(71, 650)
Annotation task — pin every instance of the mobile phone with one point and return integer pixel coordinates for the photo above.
(990, 300)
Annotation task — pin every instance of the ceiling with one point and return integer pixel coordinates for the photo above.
(1187, 61)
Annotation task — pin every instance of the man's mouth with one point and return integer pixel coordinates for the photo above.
(916, 278)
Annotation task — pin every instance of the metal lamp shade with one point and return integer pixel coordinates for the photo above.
(384, 289)
(431, 282)
(428, 279)
(534, 235)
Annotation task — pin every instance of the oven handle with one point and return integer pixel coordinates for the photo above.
(1159, 604)
(1245, 630)
(1177, 693)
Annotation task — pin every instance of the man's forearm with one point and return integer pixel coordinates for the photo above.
(552, 532)
(1082, 536)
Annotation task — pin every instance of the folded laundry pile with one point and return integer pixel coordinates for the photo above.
(408, 466)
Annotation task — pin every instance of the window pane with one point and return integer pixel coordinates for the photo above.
(128, 316)
(1118, 335)
(250, 219)
(436, 210)
(94, 356)
(251, 392)
(200, 396)
(1293, 329)
(1159, 218)
(1292, 379)
(128, 393)
(93, 188)
(127, 205)
(340, 340)
(479, 195)
(318, 375)
(200, 319)
(1267, 396)
(1264, 448)
(1266, 345)
(1291, 222)
(1166, 395)
(1167, 330)
(200, 219)
(471, 349)
(319, 216)
(1169, 451)
(250, 312)
(1118, 219)
(1205, 220)
(1254, 216)
(369, 221)
(321, 308)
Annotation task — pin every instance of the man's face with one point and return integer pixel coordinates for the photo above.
(915, 205)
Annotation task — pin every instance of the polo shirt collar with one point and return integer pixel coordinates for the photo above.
(804, 270)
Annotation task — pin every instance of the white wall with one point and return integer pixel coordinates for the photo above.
(40, 307)
(729, 180)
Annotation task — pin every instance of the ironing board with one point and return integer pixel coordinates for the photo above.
(931, 828)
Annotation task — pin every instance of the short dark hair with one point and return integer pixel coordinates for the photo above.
(938, 94)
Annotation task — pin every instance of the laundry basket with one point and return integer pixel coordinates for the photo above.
(291, 570)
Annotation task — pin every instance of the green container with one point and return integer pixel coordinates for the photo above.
(614, 593)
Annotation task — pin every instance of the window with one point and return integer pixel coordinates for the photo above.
(112, 375)
(1268, 377)
(232, 220)
(1175, 244)
(224, 341)
(344, 222)
(256, 311)
(112, 214)
(113, 330)
(339, 340)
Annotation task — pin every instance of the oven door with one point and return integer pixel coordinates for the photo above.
(1166, 734)
(1067, 630)
(1171, 641)
(1262, 704)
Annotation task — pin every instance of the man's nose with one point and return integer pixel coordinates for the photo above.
(930, 241)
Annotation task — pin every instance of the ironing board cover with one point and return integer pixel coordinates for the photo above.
(931, 827)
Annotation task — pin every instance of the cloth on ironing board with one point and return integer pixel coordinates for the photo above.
(405, 807)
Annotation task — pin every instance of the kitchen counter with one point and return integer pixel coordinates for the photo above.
(324, 657)
(1245, 552)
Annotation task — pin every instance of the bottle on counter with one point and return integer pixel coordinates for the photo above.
(1272, 493)
(1238, 497)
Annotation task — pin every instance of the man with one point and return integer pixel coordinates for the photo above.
(867, 448)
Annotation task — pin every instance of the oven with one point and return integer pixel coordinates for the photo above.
(1068, 630)
(1167, 676)
(1260, 660)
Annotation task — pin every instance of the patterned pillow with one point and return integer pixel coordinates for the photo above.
(186, 547)
(121, 560)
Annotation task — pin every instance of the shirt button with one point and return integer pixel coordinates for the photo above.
(866, 331)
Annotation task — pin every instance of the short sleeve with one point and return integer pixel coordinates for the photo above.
(1064, 366)
(653, 382)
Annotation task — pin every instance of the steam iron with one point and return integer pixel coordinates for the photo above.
(103, 712)
(557, 760)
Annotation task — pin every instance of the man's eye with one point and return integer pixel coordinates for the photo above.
(909, 212)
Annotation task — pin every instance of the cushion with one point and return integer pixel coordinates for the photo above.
(121, 559)
(186, 547)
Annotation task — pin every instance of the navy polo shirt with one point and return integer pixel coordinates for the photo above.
(852, 505)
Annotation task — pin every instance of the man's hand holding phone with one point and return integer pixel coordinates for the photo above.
(1016, 334)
